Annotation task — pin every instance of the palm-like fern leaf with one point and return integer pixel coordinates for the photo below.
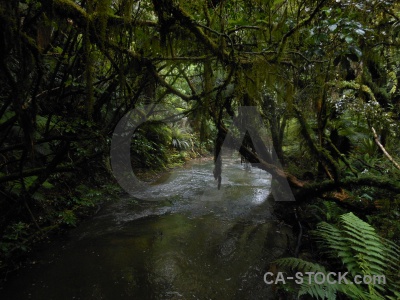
(362, 252)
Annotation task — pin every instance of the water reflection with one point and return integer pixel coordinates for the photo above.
(195, 242)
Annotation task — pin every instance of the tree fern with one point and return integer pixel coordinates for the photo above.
(361, 251)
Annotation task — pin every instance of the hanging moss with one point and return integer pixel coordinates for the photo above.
(69, 9)
(88, 67)
(102, 13)
(44, 31)
(320, 153)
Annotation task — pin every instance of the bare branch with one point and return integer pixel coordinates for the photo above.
(376, 138)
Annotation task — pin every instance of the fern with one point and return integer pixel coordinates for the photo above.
(361, 251)
(318, 291)
(356, 239)
(325, 290)
(326, 211)
(299, 264)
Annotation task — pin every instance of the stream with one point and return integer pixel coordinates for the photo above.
(191, 241)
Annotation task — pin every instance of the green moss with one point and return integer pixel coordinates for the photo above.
(70, 9)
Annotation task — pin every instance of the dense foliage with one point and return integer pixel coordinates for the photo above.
(322, 73)
(361, 252)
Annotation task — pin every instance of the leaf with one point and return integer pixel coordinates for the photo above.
(360, 31)
(332, 27)
(361, 250)
(6, 116)
(238, 22)
(262, 21)
(47, 185)
(349, 39)
(393, 89)
(58, 50)
(68, 217)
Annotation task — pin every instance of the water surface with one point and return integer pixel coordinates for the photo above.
(187, 240)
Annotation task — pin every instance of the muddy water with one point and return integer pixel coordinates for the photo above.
(191, 241)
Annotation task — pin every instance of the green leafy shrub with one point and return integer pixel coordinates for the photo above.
(325, 211)
(14, 237)
(150, 144)
(361, 252)
(180, 140)
(68, 217)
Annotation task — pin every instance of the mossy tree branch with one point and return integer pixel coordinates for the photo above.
(322, 155)
(69, 9)
(317, 189)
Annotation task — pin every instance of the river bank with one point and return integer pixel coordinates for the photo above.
(66, 201)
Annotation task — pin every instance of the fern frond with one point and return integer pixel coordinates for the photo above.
(319, 291)
(300, 264)
(362, 251)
